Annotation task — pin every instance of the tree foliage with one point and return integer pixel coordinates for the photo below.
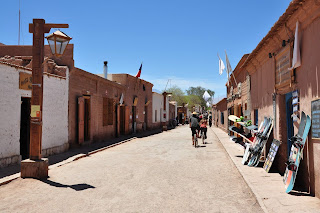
(177, 95)
(193, 97)
(199, 91)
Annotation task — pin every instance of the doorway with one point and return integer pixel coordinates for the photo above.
(116, 124)
(25, 128)
(289, 111)
(134, 119)
(122, 120)
(87, 118)
(145, 118)
(83, 119)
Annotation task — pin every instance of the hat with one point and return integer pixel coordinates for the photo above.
(194, 113)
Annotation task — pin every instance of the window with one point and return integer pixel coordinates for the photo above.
(107, 111)
(155, 116)
(222, 118)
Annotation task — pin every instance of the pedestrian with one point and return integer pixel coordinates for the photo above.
(210, 119)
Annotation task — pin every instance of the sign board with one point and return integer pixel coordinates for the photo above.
(35, 111)
(315, 118)
(283, 61)
(271, 155)
(25, 81)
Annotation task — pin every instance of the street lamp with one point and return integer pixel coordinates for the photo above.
(36, 166)
(58, 42)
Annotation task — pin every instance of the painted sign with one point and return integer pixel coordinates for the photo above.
(315, 118)
(271, 155)
(35, 111)
(25, 81)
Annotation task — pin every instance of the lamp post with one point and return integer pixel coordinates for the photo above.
(37, 167)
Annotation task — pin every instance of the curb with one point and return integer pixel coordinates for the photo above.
(10, 178)
(254, 192)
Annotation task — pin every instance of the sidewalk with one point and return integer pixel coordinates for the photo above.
(267, 187)
(10, 173)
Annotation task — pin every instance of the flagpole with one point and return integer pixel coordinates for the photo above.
(228, 63)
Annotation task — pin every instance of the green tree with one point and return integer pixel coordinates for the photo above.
(192, 100)
(199, 91)
(177, 95)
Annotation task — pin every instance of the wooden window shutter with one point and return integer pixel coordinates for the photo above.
(105, 111)
(110, 111)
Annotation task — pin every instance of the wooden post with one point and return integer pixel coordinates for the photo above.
(37, 167)
(37, 89)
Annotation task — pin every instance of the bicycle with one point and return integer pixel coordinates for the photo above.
(195, 140)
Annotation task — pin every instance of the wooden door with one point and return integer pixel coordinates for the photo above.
(122, 120)
(80, 120)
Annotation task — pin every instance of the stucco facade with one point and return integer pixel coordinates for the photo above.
(220, 114)
(271, 97)
(137, 101)
(94, 90)
(157, 109)
(55, 112)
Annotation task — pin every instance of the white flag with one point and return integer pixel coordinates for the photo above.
(221, 66)
(296, 59)
(229, 69)
(206, 96)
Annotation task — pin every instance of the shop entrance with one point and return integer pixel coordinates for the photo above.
(25, 128)
(289, 121)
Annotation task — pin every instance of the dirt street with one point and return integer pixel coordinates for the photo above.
(159, 173)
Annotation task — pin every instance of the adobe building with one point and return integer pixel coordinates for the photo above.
(238, 91)
(137, 102)
(283, 94)
(95, 112)
(15, 108)
(220, 114)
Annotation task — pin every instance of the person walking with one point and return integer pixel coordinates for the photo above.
(210, 119)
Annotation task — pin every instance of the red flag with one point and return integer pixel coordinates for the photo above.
(139, 72)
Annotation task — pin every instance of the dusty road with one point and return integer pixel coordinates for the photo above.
(159, 173)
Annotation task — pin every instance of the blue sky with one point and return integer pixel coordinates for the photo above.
(175, 39)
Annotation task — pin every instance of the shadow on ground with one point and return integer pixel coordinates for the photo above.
(76, 150)
(77, 187)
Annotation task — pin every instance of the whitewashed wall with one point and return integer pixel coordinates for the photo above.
(165, 119)
(157, 104)
(55, 112)
(10, 107)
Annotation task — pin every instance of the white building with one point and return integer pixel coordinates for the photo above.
(15, 106)
(160, 112)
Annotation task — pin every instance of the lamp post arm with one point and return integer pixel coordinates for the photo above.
(47, 27)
